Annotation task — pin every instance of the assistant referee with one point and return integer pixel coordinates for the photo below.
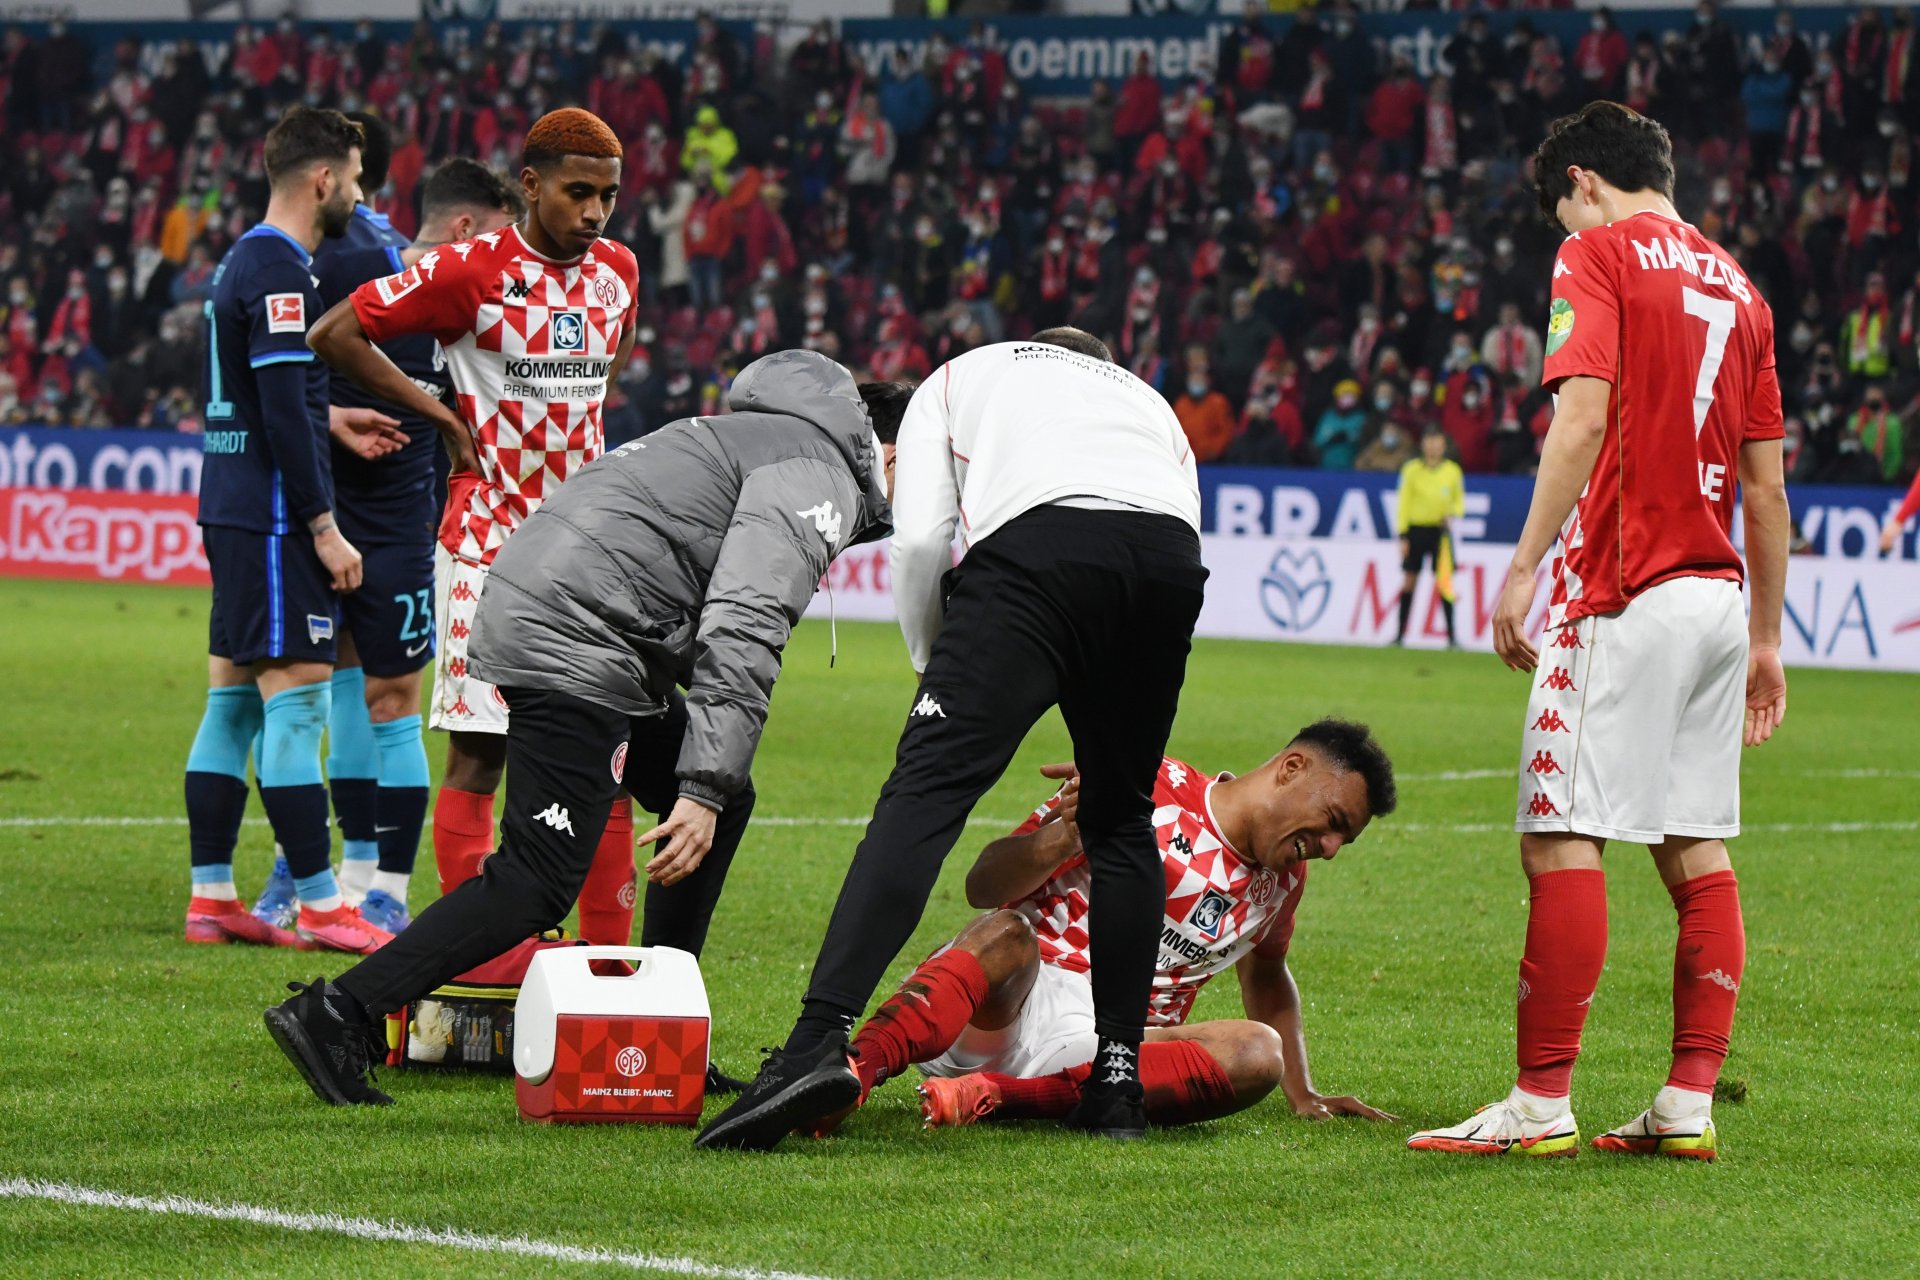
(1432, 492)
(1074, 491)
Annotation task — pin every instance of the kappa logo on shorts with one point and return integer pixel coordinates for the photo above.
(1544, 763)
(568, 331)
(461, 591)
(457, 668)
(1567, 638)
(1209, 915)
(1541, 807)
(319, 628)
(556, 817)
(1550, 722)
(458, 630)
(927, 706)
(1559, 681)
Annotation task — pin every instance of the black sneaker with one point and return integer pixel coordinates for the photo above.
(719, 1083)
(792, 1090)
(333, 1049)
(1111, 1111)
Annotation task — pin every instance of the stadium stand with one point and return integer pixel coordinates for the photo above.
(1252, 239)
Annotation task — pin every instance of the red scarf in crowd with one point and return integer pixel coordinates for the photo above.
(1899, 62)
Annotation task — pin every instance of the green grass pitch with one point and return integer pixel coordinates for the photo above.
(133, 1063)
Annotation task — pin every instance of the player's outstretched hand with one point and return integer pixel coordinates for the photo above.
(1766, 695)
(340, 558)
(1510, 623)
(1326, 1107)
(366, 433)
(688, 832)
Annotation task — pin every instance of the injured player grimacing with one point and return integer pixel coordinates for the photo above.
(1000, 1020)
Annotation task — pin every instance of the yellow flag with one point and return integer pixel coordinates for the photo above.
(1443, 568)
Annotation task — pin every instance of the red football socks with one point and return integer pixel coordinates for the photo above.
(1184, 1084)
(1566, 948)
(922, 1019)
(462, 835)
(1708, 961)
(607, 897)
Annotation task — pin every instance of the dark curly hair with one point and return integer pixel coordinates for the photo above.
(1350, 746)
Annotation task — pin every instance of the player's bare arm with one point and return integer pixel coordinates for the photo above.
(1566, 464)
(1270, 996)
(365, 432)
(339, 339)
(1014, 866)
(1763, 502)
(621, 356)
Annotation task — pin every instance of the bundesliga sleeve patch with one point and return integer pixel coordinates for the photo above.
(286, 313)
(1559, 325)
(395, 287)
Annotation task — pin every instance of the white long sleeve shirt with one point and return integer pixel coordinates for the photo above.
(1006, 428)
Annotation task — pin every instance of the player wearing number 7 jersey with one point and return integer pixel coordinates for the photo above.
(1661, 354)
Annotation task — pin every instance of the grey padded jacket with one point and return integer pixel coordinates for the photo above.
(686, 557)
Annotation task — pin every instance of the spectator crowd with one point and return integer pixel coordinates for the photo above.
(1312, 251)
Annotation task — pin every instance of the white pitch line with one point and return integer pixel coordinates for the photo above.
(1007, 824)
(383, 1232)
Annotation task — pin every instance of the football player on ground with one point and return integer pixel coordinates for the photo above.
(277, 556)
(1001, 1021)
(534, 320)
(1660, 351)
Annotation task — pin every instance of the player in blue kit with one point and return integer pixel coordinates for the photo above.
(387, 506)
(277, 555)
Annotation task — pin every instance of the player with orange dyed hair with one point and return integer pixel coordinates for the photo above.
(536, 321)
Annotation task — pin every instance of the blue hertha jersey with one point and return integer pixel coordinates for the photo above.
(392, 499)
(266, 448)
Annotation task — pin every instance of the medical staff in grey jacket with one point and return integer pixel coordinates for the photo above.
(681, 559)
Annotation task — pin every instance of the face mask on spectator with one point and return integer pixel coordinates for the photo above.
(1383, 401)
(1831, 182)
(1598, 23)
(1056, 245)
(1346, 401)
(748, 325)
(1324, 172)
(1390, 437)
(116, 283)
(1470, 400)
(103, 259)
(1156, 235)
(1420, 389)
(1784, 25)
(1197, 388)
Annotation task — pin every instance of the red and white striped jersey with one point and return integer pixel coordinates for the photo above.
(1220, 904)
(529, 342)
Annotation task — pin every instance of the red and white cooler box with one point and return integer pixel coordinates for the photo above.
(627, 1049)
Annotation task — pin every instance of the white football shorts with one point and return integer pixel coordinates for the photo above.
(1633, 729)
(1053, 1032)
(461, 703)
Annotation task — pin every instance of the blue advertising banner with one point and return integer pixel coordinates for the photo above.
(1059, 56)
(1235, 502)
